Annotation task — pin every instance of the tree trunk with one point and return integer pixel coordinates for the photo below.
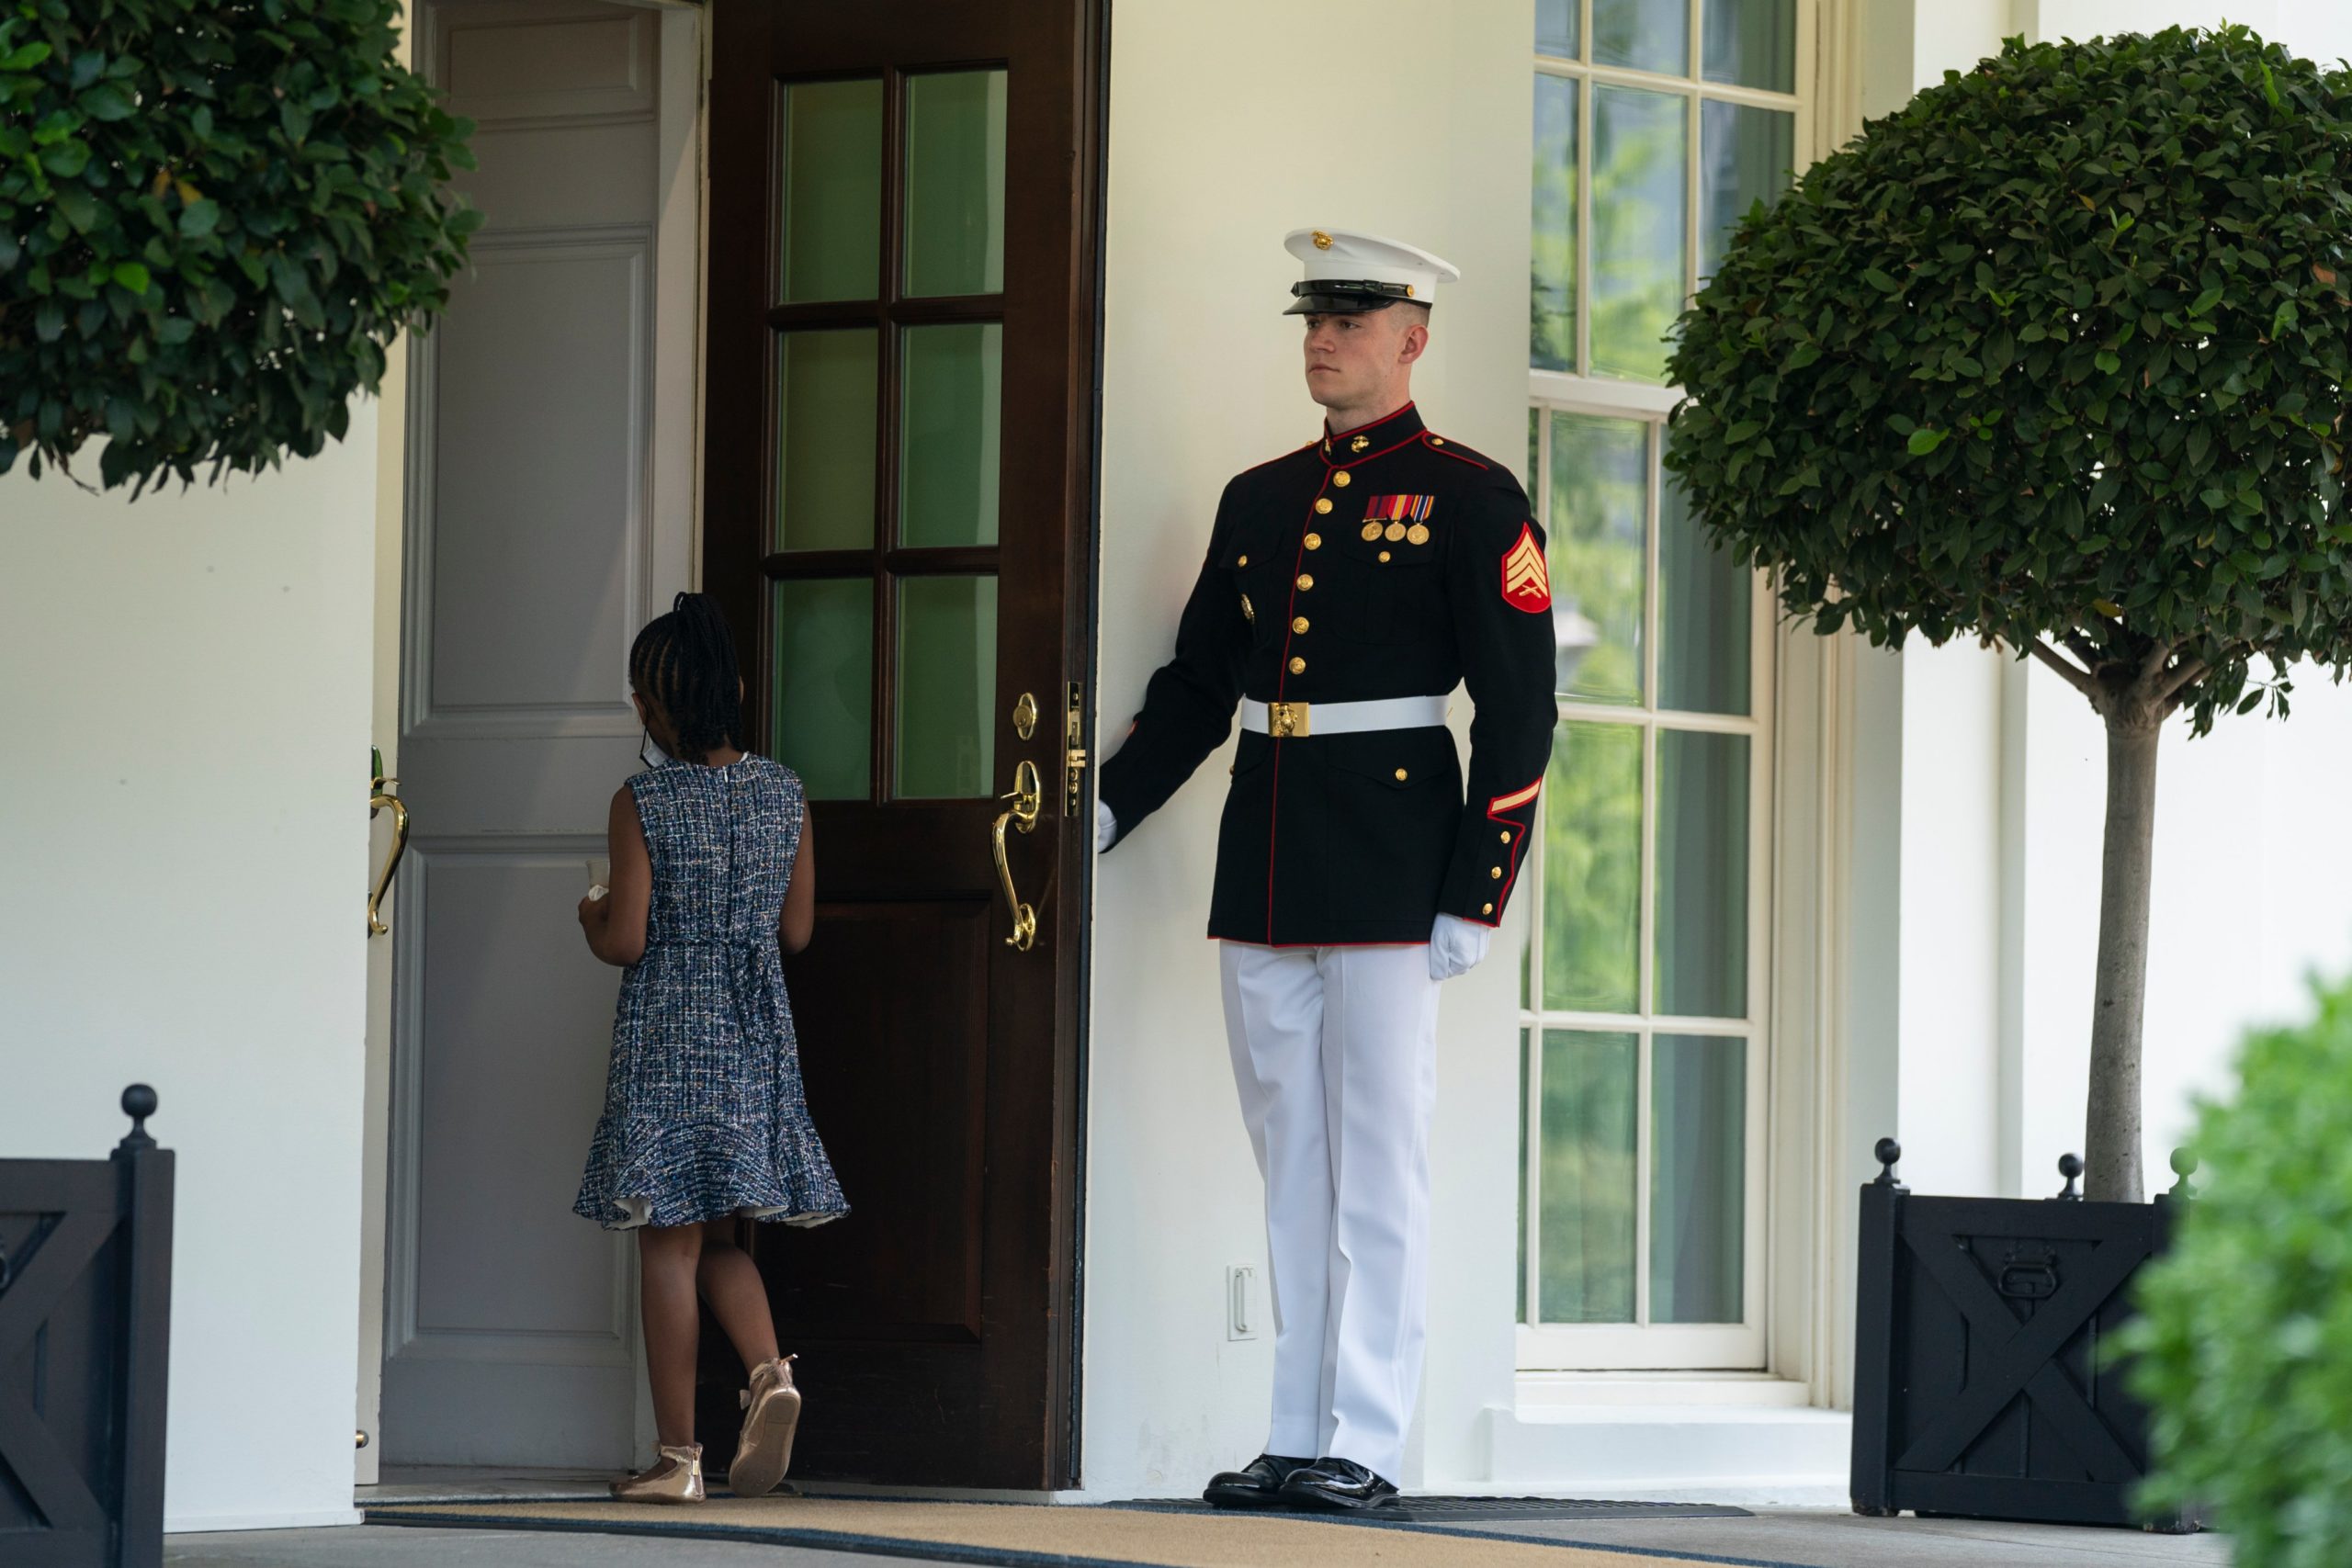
(2112, 1151)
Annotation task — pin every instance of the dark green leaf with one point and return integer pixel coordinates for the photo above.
(66, 160)
(79, 207)
(107, 102)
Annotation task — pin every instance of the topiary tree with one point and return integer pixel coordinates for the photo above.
(2055, 357)
(2244, 1346)
(214, 215)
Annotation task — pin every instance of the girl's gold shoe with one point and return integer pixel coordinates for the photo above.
(771, 1416)
(674, 1477)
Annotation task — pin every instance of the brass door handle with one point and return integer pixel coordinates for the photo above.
(1028, 800)
(382, 796)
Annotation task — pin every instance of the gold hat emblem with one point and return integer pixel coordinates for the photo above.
(1322, 241)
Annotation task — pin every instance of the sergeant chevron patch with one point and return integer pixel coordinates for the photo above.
(1527, 580)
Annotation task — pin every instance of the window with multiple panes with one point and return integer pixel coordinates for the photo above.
(889, 343)
(1644, 1061)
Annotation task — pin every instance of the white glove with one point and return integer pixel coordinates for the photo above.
(1106, 826)
(1456, 945)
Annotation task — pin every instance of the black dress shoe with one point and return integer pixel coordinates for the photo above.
(1337, 1484)
(1257, 1485)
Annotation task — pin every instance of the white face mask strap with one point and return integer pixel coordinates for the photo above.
(650, 753)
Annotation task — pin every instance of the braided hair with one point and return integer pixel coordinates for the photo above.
(685, 663)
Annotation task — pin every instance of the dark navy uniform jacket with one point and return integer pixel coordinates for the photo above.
(1379, 562)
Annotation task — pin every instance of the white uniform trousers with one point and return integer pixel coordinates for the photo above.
(1335, 1052)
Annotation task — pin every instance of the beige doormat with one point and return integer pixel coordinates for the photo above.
(1018, 1535)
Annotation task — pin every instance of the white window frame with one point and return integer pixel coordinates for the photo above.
(1641, 1345)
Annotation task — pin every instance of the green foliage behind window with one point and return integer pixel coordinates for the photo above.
(214, 215)
(2246, 1345)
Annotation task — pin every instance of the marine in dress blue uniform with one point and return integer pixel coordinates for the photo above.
(1350, 587)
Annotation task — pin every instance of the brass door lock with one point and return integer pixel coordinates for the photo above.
(1074, 757)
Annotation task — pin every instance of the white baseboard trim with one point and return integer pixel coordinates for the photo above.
(1710, 1452)
(212, 1524)
(1544, 1391)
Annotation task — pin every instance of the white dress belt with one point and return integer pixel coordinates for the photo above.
(1309, 719)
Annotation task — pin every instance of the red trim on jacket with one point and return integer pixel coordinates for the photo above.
(1495, 809)
(1438, 446)
(1354, 458)
(1272, 460)
(1331, 435)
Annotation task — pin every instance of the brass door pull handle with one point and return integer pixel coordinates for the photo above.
(1028, 800)
(383, 797)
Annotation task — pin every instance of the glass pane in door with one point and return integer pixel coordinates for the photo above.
(1745, 155)
(955, 182)
(1552, 299)
(946, 682)
(1586, 1229)
(825, 448)
(1600, 554)
(1592, 869)
(1556, 22)
(1704, 606)
(1702, 874)
(1639, 141)
(1697, 1178)
(831, 199)
(949, 432)
(1642, 35)
(1753, 43)
(822, 720)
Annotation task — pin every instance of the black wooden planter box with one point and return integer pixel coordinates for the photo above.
(1979, 1387)
(86, 1288)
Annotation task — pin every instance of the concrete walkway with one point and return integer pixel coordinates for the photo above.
(1795, 1538)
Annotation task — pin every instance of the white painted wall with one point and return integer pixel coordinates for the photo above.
(1909, 44)
(2317, 30)
(182, 732)
(2252, 863)
(1202, 380)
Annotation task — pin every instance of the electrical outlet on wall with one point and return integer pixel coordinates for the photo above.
(1241, 1301)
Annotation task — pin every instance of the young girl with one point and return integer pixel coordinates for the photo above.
(704, 1117)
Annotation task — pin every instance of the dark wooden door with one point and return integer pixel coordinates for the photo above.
(897, 494)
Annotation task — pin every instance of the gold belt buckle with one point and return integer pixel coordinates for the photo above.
(1288, 721)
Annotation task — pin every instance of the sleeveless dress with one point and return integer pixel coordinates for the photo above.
(703, 1114)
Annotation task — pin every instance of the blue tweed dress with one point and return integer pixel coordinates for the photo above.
(703, 1114)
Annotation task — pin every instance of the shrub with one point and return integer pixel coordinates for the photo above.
(214, 215)
(2244, 1345)
(2055, 357)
